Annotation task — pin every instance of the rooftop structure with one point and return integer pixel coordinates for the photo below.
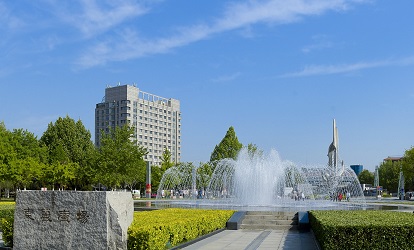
(394, 158)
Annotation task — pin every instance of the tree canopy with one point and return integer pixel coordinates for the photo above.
(120, 160)
(366, 177)
(229, 147)
(71, 153)
(389, 173)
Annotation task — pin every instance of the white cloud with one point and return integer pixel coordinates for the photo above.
(8, 20)
(227, 78)
(95, 17)
(235, 16)
(312, 70)
(319, 42)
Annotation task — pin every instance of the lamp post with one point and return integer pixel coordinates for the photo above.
(148, 181)
(401, 184)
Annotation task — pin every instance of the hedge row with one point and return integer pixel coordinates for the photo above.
(165, 228)
(359, 229)
(6, 221)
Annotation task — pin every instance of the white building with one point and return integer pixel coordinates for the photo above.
(157, 120)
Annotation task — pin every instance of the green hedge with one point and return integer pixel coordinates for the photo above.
(162, 229)
(6, 221)
(359, 229)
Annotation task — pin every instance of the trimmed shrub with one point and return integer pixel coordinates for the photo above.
(162, 229)
(7, 229)
(6, 221)
(359, 229)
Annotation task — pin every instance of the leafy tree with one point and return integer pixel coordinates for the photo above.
(69, 143)
(156, 175)
(389, 173)
(157, 172)
(69, 138)
(7, 155)
(408, 169)
(229, 147)
(21, 158)
(7, 152)
(120, 159)
(166, 162)
(253, 150)
(366, 177)
(204, 173)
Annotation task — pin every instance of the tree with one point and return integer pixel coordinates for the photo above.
(7, 155)
(74, 139)
(156, 176)
(158, 172)
(366, 177)
(70, 142)
(204, 173)
(166, 160)
(120, 160)
(229, 147)
(253, 150)
(408, 169)
(21, 158)
(389, 173)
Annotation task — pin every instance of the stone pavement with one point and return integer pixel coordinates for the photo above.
(257, 239)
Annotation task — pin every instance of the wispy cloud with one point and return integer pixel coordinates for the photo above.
(313, 70)
(8, 20)
(235, 16)
(319, 42)
(227, 78)
(95, 17)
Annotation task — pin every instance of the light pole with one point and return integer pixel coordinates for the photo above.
(148, 181)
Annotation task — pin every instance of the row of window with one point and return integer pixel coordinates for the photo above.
(149, 138)
(156, 158)
(159, 152)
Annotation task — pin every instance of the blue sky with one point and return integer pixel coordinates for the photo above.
(277, 71)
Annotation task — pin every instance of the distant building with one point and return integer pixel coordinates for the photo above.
(394, 158)
(157, 120)
(357, 169)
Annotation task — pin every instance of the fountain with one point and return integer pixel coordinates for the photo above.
(260, 183)
(255, 181)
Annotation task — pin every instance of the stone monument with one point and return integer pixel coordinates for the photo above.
(72, 220)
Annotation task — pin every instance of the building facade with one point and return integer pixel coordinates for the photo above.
(156, 120)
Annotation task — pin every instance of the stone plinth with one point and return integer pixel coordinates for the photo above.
(72, 220)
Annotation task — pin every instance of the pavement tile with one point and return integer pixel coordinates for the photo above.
(256, 239)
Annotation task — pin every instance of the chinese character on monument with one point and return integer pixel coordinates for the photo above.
(82, 216)
(64, 215)
(46, 215)
(28, 213)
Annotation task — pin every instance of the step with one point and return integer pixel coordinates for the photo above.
(255, 220)
(272, 227)
(271, 217)
(270, 222)
(271, 213)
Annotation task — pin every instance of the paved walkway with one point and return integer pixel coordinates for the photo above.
(257, 239)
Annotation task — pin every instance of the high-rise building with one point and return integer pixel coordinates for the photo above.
(157, 120)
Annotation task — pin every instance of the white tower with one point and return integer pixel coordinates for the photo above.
(333, 148)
